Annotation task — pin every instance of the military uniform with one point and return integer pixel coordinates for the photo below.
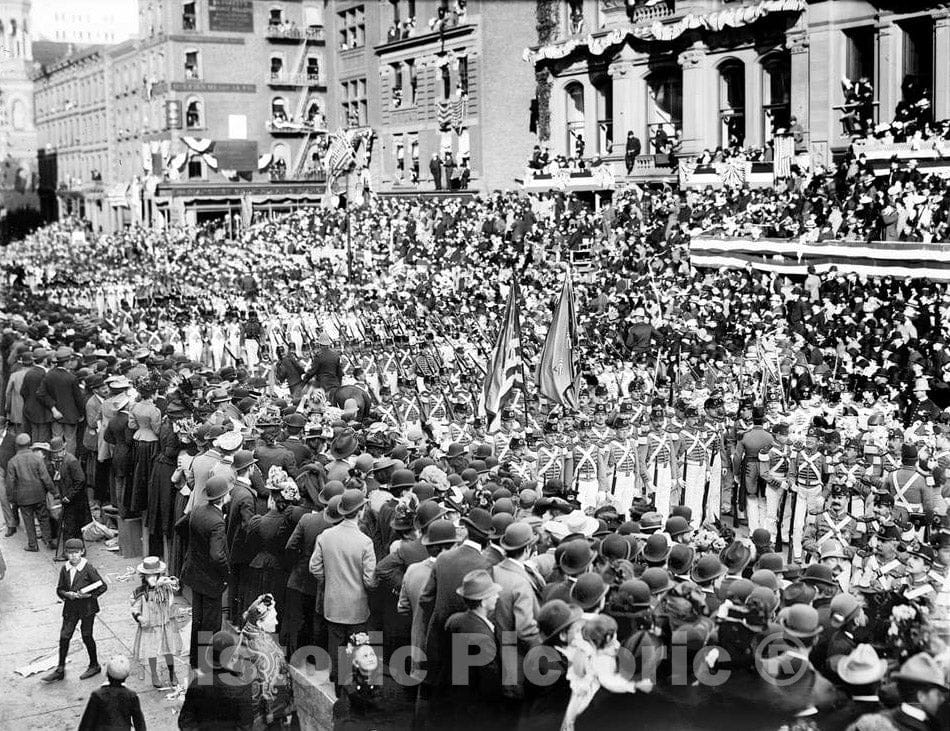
(774, 463)
(697, 447)
(623, 471)
(659, 451)
(586, 468)
(807, 473)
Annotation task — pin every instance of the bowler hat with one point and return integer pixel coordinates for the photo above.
(428, 511)
(634, 593)
(844, 607)
(658, 579)
(774, 562)
(217, 487)
(499, 523)
(707, 569)
(477, 584)
(681, 559)
(831, 548)
(677, 525)
(576, 556)
(440, 531)
(353, 499)
(332, 512)
(800, 620)
(651, 522)
(64, 354)
(657, 548)
(478, 520)
(588, 590)
(518, 535)
(331, 488)
(242, 459)
(761, 538)
(615, 547)
(295, 421)
(556, 616)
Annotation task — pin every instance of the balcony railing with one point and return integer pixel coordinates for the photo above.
(301, 79)
(295, 33)
(286, 126)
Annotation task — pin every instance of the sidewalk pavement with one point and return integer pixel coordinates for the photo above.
(30, 618)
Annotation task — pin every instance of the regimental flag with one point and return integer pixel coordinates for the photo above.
(505, 364)
(557, 375)
(340, 155)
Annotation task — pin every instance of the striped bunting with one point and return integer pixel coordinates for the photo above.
(879, 258)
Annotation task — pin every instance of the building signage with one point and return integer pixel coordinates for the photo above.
(234, 16)
(208, 86)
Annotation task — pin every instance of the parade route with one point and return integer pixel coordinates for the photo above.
(29, 628)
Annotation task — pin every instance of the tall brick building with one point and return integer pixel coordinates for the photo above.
(433, 77)
(216, 108)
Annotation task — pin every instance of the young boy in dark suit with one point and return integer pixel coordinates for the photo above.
(79, 587)
(113, 706)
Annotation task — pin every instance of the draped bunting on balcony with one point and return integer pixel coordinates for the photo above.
(452, 113)
(658, 31)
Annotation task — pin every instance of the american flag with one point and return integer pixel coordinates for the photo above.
(505, 365)
(340, 155)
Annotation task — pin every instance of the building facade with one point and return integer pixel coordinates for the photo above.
(216, 108)
(86, 22)
(17, 130)
(726, 72)
(434, 79)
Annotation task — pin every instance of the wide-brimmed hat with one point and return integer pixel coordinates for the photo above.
(861, 667)
(735, 557)
(229, 441)
(352, 500)
(477, 585)
(118, 383)
(831, 548)
(518, 535)
(343, 445)
(922, 669)
(578, 522)
(800, 620)
(151, 565)
(818, 573)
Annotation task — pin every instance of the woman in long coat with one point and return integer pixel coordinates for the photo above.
(160, 515)
(145, 420)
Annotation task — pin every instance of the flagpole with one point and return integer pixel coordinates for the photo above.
(524, 378)
(349, 250)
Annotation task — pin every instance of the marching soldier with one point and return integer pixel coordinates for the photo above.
(807, 474)
(773, 466)
(832, 523)
(586, 462)
(501, 439)
(659, 452)
(735, 429)
(407, 405)
(386, 408)
(551, 454)
(852, 472)
(519, 462)
(624, 471)
(912, 488)
(696, 449)
(746, 469)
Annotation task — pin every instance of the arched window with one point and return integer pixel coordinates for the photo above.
(576, 118)
(194, 114)
(315, 113)
(776, 94)
(278, 108)
(732, 103)
(278, 166)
